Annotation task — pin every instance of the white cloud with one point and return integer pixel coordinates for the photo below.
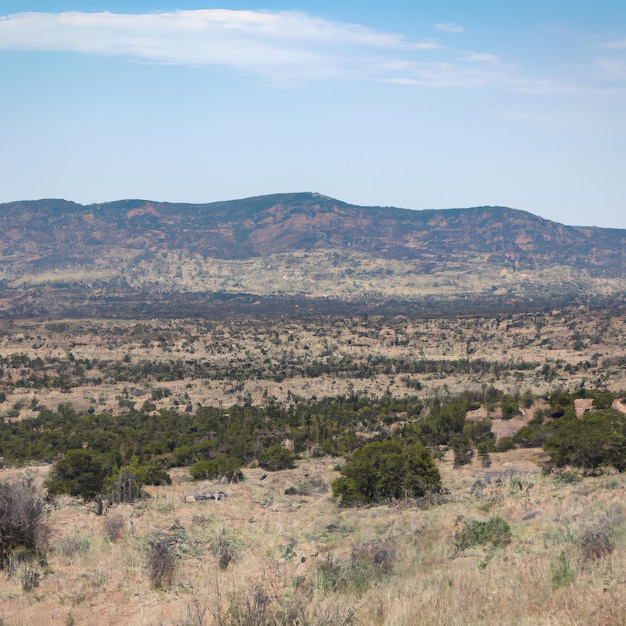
(449, 27)
(283, 46)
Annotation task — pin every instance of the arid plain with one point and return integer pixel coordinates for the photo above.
(293, 555)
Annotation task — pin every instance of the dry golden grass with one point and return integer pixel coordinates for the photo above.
(280, 542)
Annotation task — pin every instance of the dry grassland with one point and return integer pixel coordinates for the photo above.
(565, 349)
(260, 556)
(98, 569)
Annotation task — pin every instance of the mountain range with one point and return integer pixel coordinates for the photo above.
(302, 250)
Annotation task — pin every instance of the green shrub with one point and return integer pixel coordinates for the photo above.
(484, 447)
(152, 474)
(561, 404)
(510, 408)
(212, 469)
(226, 548)
(562, 574)
(276, 457)
(504, 444)
(603, 399)
(384, 470)
(462, 449)
(78, 473)
(479, 431)
(495, 532)
(204, 470)
(124, 485)
(596, 439)
(537, 420)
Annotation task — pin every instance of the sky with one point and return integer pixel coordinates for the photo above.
(414, 104)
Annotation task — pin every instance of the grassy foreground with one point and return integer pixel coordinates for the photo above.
(263, 556)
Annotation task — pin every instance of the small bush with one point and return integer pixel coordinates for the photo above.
(276, 457)
(30, 575)
(462, 449)
(562, 574)
(212, 469)
(328, 574)
(494, 532)
(114, 526)
(504, 444)
(510, 408)
(71, 545)
(124, 485)
(250, 611)
(161, 563)
(226, 549)
(597, 542)
(368, 563)
(152, 474)
(484, 447)
(371, 562)
(22, 519)
(23, 565)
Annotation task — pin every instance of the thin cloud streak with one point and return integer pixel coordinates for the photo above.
(449, 27)
(285, 48)
(280, 46)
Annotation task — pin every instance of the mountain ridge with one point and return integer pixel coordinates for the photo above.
(295, 244)
(264, 225)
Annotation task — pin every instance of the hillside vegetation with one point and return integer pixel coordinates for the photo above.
(366, 470)
(298, 253)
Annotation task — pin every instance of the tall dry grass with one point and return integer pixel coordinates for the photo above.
(299, 559)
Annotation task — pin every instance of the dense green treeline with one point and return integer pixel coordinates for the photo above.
(183, 438)
(20, 370)
(217, 442)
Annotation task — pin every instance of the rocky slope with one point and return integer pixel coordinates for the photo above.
(55, 251)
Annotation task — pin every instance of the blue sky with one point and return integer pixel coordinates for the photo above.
(412, 104)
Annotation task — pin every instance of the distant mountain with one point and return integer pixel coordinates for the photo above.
(59, 257)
